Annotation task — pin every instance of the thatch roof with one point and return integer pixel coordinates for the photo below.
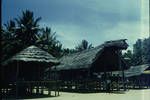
(32, 54)
(134, 70)
(85, 58)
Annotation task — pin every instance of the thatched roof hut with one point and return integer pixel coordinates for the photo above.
(86, 58)
(33, 54)
(29, 64)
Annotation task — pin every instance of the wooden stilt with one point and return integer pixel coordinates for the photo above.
(42, 90)
(122, 70)
(49, 92)
(17, 75)
(118, 88)
(37, 90)
(55, 91)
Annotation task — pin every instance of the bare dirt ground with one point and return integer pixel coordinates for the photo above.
(128, 95)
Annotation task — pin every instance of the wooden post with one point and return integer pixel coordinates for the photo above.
(31, 89)
(2, 79)
(124, 87)
(100, 85)
(58, 85)
(42, 89)
(147, 82)
(55, 85)
(118, 87)
(37, 88)
(49, 90)
(88, 79)
(105, 80)
(17, 75)
(122, 70)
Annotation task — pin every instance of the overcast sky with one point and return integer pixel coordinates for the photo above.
(94, 20)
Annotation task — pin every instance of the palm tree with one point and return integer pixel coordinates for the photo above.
(46, 38)
(9, 29)
(84, 46)
(56, 50)
(47, 41)
(67, 51)
(28, 27)
(8, 41)
(10, 26)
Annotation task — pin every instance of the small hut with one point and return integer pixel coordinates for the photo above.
(136, 76)
(92, 64)
(25, 70)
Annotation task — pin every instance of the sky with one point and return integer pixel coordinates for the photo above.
(94, 20)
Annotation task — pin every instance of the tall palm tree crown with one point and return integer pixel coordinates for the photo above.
(83, 46)
(27, 27)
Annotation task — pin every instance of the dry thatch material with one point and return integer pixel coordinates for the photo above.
(133, 70)
(32, 54)
(85, 58)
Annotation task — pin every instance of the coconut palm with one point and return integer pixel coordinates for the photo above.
(56, 50)
(9, 29)
(46, 38)
(83, 46)
(28, 27)
(8, 41)
(10, 26)
(47, 41)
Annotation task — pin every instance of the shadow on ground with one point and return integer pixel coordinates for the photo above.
(33, 96)
(93, 91)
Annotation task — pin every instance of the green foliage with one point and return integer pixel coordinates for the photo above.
(68, 51)
(128, 56)
(48, 42)
(10, 26)
(56, 50)
(146, 51)
(46, 38)
(137, 52)
(8, 41)
(141, 53)
(27, 28)
(84, 45)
